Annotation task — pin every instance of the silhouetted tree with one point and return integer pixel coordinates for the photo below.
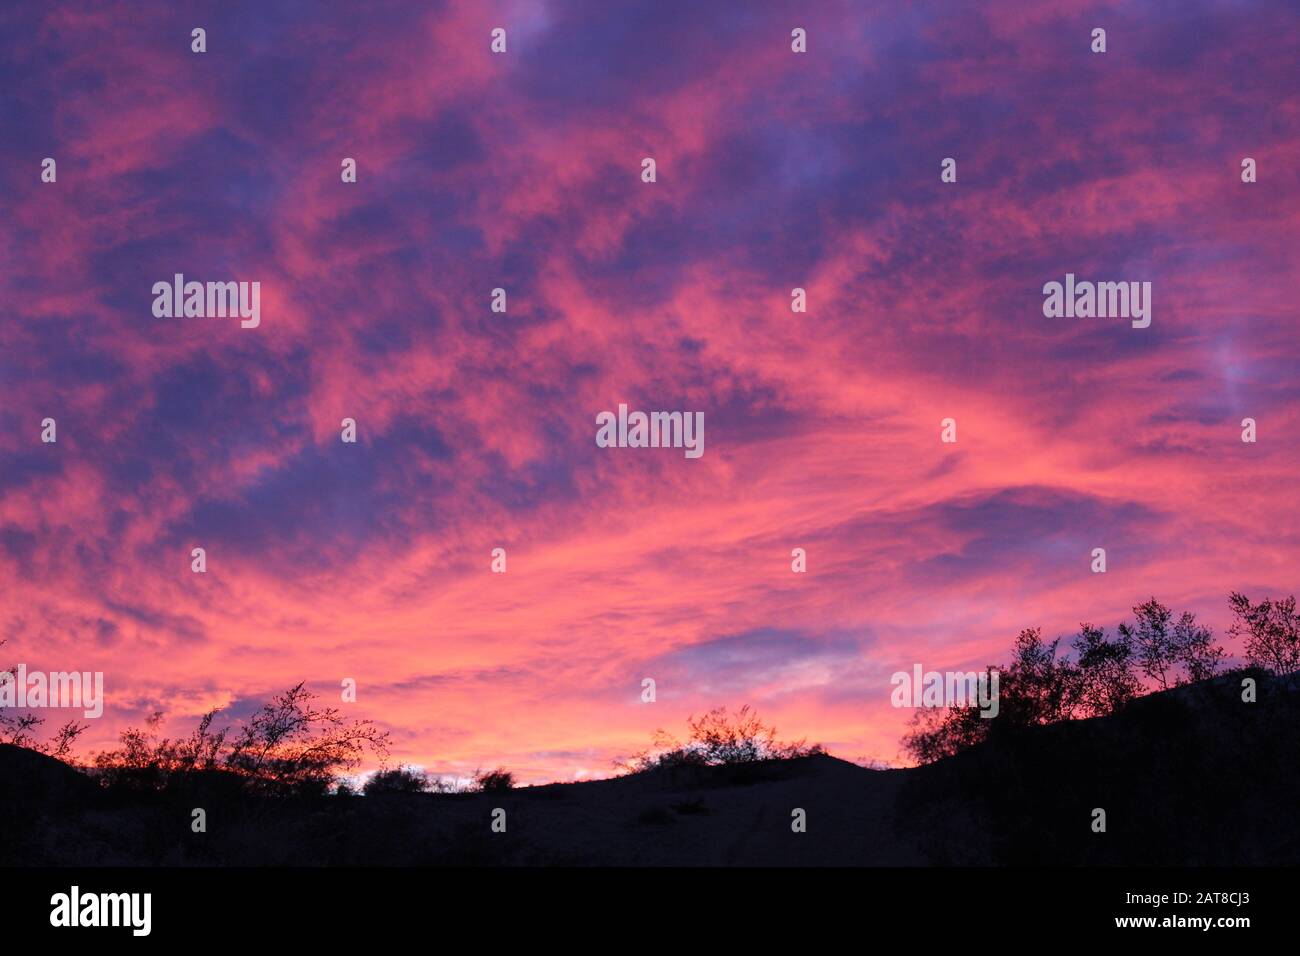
(944, 732)
(1175, 655)
(1104, 669)
(1037, 687)
(1271, 629)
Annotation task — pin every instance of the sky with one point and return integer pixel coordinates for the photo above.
(476, 429)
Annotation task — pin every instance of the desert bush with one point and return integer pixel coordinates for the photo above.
(717, 739)
(494, 781)
(20, 729)
(398, 780)
(288, 747)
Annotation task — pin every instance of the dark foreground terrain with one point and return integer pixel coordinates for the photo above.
(1193, 776)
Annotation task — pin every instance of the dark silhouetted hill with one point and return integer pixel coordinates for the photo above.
(1188, 776)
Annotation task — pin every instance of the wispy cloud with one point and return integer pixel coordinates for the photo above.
(475, 429)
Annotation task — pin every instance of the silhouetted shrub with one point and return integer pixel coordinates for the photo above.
(397, 780)
(287, 747)
(492, 781)
(19, 728)
(717, 739)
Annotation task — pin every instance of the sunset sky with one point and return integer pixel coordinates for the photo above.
(477, 429)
